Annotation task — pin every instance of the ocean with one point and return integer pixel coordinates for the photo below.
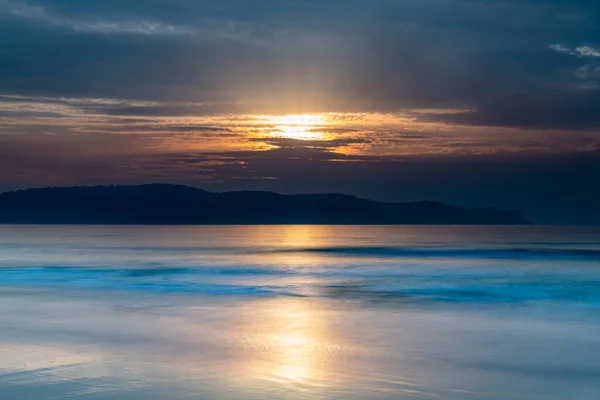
(299, 312)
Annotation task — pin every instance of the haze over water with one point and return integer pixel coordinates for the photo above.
(299, 312)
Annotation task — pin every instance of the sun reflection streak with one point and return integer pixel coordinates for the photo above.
(291, 345)
(296, 343)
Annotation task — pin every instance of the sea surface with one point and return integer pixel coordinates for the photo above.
(299, 312)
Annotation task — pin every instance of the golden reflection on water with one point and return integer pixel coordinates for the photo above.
(297, 338)
(290, 238)
(290, 340)
(291, 343)
(300, 235)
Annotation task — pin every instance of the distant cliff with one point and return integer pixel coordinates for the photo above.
(182, 205)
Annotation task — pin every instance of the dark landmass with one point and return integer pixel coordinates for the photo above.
(163, 204)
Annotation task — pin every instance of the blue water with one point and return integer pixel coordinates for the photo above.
(299, 312)
(419, 264)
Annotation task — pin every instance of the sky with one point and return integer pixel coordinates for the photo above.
(469, 102)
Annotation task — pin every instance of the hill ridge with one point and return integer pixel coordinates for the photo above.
(163, 203)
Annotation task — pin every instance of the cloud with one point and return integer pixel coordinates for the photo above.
(588, 71)
(381, 55)
(43, 15)
(313, 144)
(580, 51)
(169, 110)
(588, 51)
(206, 29)
(175, 125)
(563, 49)
(579, 111)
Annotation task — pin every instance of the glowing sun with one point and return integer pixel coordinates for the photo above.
(300, 126)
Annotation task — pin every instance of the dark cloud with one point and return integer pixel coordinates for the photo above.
(167, 110)
(316, 144)
(180, 128)
(402, 136)
(288, 55)
(580, 111)
(528, 184)
(333, 130)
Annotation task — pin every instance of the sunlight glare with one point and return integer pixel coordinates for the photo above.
(299, 127)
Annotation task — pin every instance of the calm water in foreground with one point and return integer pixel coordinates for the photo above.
(299, 312)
